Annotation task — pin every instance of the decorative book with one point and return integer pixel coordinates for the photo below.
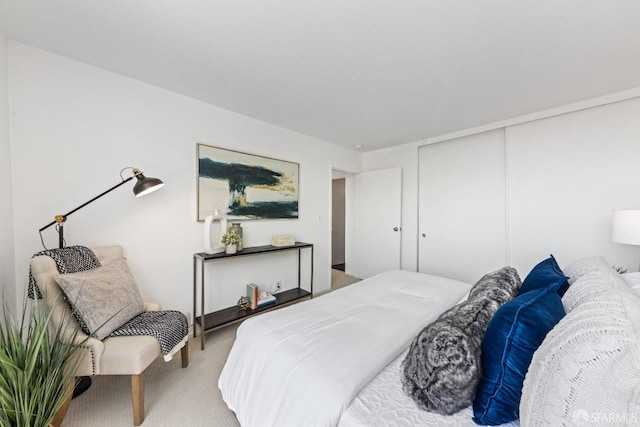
(252, 294)
(266, 299)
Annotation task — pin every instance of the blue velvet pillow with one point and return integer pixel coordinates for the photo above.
(514, 334)
(546, 273)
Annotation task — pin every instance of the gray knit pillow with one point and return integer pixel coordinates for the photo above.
(442, 368)
(104, 297)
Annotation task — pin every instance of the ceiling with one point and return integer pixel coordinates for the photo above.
(375, 73)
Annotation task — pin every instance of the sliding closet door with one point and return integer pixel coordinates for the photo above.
(462, 202)
(567, 175)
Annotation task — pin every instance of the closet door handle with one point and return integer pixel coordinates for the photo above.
(395, 229)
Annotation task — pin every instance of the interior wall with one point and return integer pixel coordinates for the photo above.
(7, 254)
(74, 127)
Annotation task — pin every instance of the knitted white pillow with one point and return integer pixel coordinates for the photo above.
(590, 277)
(584, 266)
(587, 370)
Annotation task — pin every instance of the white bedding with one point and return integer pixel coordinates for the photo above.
(303, 365)
(382, 403)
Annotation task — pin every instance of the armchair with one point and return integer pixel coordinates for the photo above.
(118, 355)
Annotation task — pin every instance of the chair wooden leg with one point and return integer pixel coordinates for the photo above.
(184, 354)
(137, 398)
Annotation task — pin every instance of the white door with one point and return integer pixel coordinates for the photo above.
(461, 202)
(378, 221)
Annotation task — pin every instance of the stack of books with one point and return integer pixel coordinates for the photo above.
(258, 299)
(266, 299)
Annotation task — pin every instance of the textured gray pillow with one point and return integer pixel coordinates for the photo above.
(501, 285)
(442, 368)
(105, 297)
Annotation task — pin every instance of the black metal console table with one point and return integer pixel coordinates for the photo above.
(211, 321)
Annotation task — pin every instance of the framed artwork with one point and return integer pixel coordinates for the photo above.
(245, 186)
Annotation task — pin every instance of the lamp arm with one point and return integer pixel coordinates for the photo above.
(62, 218)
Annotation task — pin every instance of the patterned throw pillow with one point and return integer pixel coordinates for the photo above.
(105, 298)
(442, 368)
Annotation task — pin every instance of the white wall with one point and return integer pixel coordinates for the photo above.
(74, 127)
(7, 278)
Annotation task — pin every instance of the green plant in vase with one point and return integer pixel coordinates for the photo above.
(37, 366)
(230, 240)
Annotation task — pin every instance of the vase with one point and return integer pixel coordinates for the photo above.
(238, 228)
(231, 249)
(212, 244)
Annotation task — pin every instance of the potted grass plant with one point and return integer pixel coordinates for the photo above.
(37, 366)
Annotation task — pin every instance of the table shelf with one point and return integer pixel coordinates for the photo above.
(211, 321)
(229, 315)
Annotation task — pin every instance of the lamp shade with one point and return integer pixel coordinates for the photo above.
(146, 185)
(626, 227)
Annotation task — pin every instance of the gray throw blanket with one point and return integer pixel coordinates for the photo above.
(68, 260)
(168, 327)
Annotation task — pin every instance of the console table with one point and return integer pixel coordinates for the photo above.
(211, 321)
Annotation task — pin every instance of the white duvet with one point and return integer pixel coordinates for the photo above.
(303, 365)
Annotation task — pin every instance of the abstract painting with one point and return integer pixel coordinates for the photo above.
(245, 186)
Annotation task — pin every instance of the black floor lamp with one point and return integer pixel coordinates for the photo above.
(143, 186)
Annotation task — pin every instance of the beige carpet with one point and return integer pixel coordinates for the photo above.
(173, 396)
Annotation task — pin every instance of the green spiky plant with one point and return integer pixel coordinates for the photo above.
(37, 365)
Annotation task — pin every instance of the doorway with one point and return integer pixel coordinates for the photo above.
(372, 222)
(342, 194)
(338, 223)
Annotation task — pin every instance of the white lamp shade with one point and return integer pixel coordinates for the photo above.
(626, 227)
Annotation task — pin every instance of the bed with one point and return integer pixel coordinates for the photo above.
(336, 360)
(382, 403)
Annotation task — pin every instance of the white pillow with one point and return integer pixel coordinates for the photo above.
(633, 280)
(587, 370)
(588, 265)
(589, 277)
(105, 298)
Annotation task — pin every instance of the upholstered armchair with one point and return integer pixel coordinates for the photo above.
(115, 355)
